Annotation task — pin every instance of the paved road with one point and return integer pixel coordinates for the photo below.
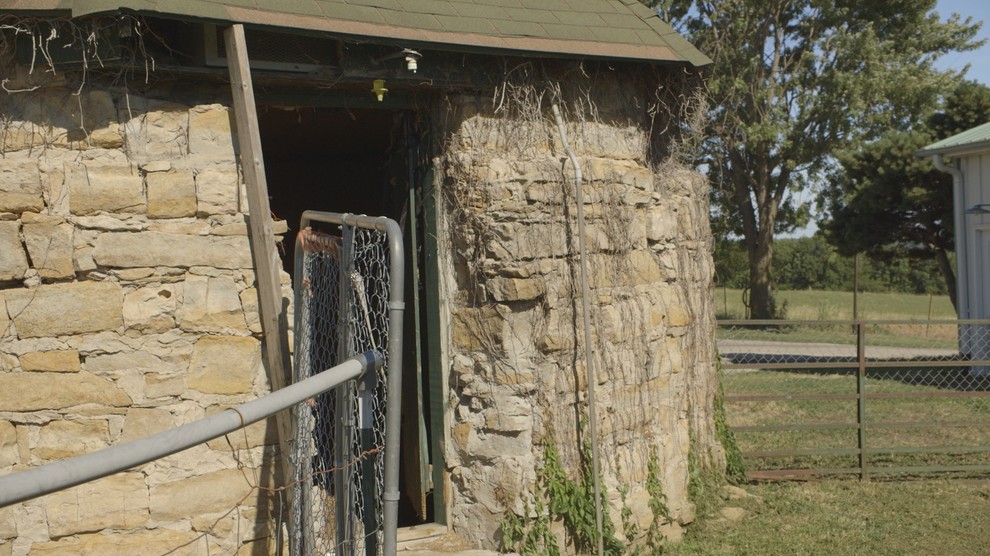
(766, 351)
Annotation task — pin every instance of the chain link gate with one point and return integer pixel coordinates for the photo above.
(345, 451)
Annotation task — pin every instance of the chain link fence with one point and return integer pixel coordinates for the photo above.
(348, 299)
(864, 397)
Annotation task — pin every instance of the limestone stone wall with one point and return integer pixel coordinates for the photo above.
(127, 307)
(516, 368)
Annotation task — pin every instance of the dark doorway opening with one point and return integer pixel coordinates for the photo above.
(331, 159)
(361, 161)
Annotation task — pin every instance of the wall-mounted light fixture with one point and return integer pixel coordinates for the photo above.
(978, 209)
(411, 57)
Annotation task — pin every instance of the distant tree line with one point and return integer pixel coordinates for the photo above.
(811, 263)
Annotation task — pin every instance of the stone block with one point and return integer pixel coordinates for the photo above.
(224, 364)
(41, 391)
(516, 289)
(8, 449)
(249, 302)
(158, 386)
(162, 132)
(509, 414)
(124, 362)
(13, 259)
(216, 191)
(140, 422)
(153, 249)
(64, 361)
(677, 316)
(216, 492)
(62, 309)
(65, 439)
(211, 305)
(210, 131)
(20, 185)
(171, 194)
(116, 502)
(605, 140)
(518, 241)
(8, 524)
(86, 120)
(49, 243)
(478, 328)
(662, 224)
(644, 268)
(492, 445)
(151, 309)
(560, 332)
(156, 541)
(104, 188)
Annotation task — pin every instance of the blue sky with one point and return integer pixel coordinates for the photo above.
(979, 60)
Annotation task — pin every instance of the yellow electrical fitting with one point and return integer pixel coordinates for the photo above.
(379, 89)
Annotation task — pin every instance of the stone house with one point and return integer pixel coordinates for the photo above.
(131, 265)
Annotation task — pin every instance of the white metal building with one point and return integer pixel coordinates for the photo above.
(966, 156)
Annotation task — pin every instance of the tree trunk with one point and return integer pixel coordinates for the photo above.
(761, 300)
(949, 275)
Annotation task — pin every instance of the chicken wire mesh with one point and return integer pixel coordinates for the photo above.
(345, 296)
(813, 397)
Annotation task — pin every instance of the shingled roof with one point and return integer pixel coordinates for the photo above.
(619, 29)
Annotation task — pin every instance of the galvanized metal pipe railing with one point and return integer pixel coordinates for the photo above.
(24, 485)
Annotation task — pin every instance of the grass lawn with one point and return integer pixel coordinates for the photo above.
(888, 515)
(828, 305)
(926, 413)
(848, 517)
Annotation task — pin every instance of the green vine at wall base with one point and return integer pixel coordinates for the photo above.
(572, 503)
(735, 468)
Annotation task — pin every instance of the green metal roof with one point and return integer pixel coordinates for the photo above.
(620, 29)
(971, 140)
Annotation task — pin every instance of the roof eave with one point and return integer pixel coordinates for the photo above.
(678, 49)
(955, 150)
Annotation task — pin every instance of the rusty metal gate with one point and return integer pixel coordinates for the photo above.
(858, 397)
(348, 299)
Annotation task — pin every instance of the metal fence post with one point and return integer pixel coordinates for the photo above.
(861, 396)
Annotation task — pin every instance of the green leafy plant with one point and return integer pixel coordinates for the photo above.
(658, 505)
(629, 527)
(573, 502)
(530, 537)
(735, 468)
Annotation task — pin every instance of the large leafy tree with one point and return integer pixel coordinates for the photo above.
(793, 81)
(887, 203)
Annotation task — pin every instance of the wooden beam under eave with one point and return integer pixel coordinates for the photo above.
(274, 322)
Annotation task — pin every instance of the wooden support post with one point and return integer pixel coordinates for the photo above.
(274, 322)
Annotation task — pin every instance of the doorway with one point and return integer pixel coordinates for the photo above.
(363, 161)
